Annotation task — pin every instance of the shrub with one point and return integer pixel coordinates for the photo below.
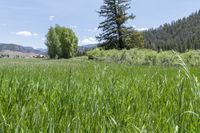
(144, 57)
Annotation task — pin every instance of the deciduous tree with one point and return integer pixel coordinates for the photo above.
(52, 43)
(61, 42)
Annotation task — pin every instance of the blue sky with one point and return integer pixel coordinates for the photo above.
(26, 22)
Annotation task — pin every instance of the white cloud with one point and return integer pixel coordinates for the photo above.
(89, 40)
(134, 26)
(51, 18)
(139, 29)
(26, 34)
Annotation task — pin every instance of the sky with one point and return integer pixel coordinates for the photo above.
(26, 22)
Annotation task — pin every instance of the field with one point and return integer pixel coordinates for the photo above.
(78, 95)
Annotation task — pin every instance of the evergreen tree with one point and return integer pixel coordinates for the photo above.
(113, 27)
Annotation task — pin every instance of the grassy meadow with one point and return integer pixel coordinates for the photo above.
(78, 95)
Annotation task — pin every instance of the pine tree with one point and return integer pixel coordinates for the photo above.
(113, 27)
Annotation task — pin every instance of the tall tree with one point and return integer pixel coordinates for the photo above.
(68, 41)
(52, 43)
(113, 27)
(61, 42)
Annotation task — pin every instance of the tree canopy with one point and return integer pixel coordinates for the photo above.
(61, 42)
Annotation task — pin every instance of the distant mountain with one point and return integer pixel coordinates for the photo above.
(10, 48)
(179, 35)
(84, 48)
(18, 48)
(42, 50)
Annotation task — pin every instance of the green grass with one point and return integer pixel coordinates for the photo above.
(82, 96)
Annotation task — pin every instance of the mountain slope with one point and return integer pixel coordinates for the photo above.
(84, 48)
(29, 50)
(180, 35)
(18, 48)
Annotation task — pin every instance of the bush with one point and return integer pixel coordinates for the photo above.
(144, 57)
(192, 57)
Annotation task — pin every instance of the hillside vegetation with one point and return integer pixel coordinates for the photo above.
(82, 96)
(180, 35)
(145, 57)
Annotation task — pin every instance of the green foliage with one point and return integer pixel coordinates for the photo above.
(68, 42)
(79, 96)
(134, 39)
(181, 35)
(192, 57)
(94, 53)
(52, 43)
(144, 57)
(113, 27)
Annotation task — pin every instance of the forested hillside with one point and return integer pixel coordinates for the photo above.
(180, 35)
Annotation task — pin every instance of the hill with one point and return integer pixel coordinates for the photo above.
(180, 35)
(13, 49)
(84, 48)
(15, 54)
(18, 48)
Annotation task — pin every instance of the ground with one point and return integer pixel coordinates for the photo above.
(78, 95)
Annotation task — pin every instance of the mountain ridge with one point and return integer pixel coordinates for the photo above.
(24, 49)
(18, 48)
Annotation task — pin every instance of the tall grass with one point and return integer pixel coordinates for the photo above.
(82, 96)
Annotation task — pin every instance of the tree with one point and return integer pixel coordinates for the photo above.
(65, 42)
(52, 43)
(113, 27)
(134, 39)
(68, 41)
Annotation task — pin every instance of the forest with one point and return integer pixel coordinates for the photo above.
(181, 35)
